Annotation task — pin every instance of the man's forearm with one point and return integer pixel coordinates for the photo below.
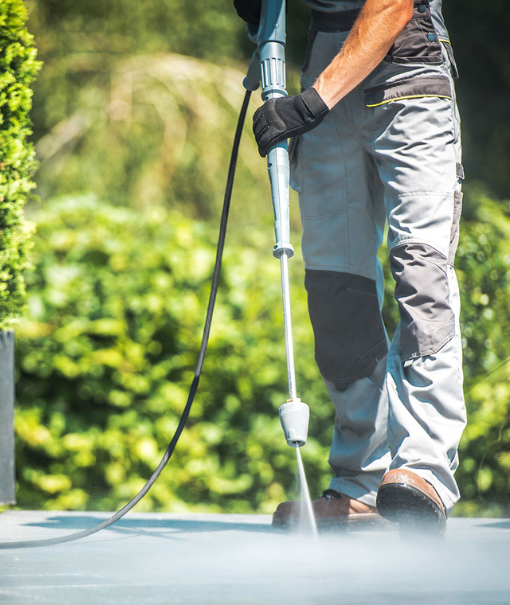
(376, 29)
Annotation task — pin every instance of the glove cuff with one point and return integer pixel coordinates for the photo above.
(314, 103)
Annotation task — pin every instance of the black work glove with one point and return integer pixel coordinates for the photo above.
(286, 117)
(249, 10)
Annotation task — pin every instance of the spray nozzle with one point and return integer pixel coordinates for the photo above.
(294, 416)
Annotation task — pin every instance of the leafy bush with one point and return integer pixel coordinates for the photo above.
(18, 69)
(106, 357)
(107, 354)
(484, 272)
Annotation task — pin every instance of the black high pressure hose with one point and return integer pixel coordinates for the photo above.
(198, 370)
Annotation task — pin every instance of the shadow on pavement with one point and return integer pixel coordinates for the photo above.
(503, 524)
(161, 526)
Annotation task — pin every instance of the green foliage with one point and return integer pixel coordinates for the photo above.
(18, 68)
(479, 33)
(483, 268)
(157, 132)
(122, 112)
(107, 355)
(124, 26)
(108, 352)
(210, 31)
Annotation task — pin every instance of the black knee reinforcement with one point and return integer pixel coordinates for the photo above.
(349, 334)
(422, 293)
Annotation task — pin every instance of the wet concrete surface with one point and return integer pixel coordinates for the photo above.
(188, 559)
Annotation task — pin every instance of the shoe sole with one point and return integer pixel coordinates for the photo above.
(413, 510)
(354, 522)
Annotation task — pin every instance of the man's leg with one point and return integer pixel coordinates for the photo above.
(345, 290)
(359, 452)
(417, 150)
(427, 413)
(342, 211)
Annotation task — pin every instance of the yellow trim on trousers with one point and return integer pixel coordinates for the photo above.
(409, 97)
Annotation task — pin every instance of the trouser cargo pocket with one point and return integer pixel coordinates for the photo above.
(410, 88)
(418, 41)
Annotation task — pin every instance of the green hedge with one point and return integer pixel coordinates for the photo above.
(483, 267)
(18, 68)
(117, 303)
(106, 357)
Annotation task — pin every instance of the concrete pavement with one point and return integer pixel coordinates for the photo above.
(187, 559)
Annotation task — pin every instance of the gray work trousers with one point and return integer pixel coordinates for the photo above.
(388, 153)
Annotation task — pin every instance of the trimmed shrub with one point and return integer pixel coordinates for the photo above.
(18, 68)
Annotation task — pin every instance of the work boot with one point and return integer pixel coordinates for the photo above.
(332, 510)
(406, 498)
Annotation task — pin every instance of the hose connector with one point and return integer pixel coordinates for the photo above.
(294, 416)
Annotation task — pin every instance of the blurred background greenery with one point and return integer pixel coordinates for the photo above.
(134, 114)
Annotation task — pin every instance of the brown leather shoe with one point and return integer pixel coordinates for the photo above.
(404, 497)
(333, 510)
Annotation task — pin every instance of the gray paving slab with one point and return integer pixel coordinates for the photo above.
(188, 559)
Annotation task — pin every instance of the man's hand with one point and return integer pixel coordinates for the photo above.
(286, 117)
(249, 10)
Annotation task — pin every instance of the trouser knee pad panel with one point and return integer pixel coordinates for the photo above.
(422, 293)
(346, 320)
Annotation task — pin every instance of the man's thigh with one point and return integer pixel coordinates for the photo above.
(340, 198)
(416, 147)
(342, 212)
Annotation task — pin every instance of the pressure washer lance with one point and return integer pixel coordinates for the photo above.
(268, 66)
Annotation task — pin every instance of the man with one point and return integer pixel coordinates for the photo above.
(376, 138)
